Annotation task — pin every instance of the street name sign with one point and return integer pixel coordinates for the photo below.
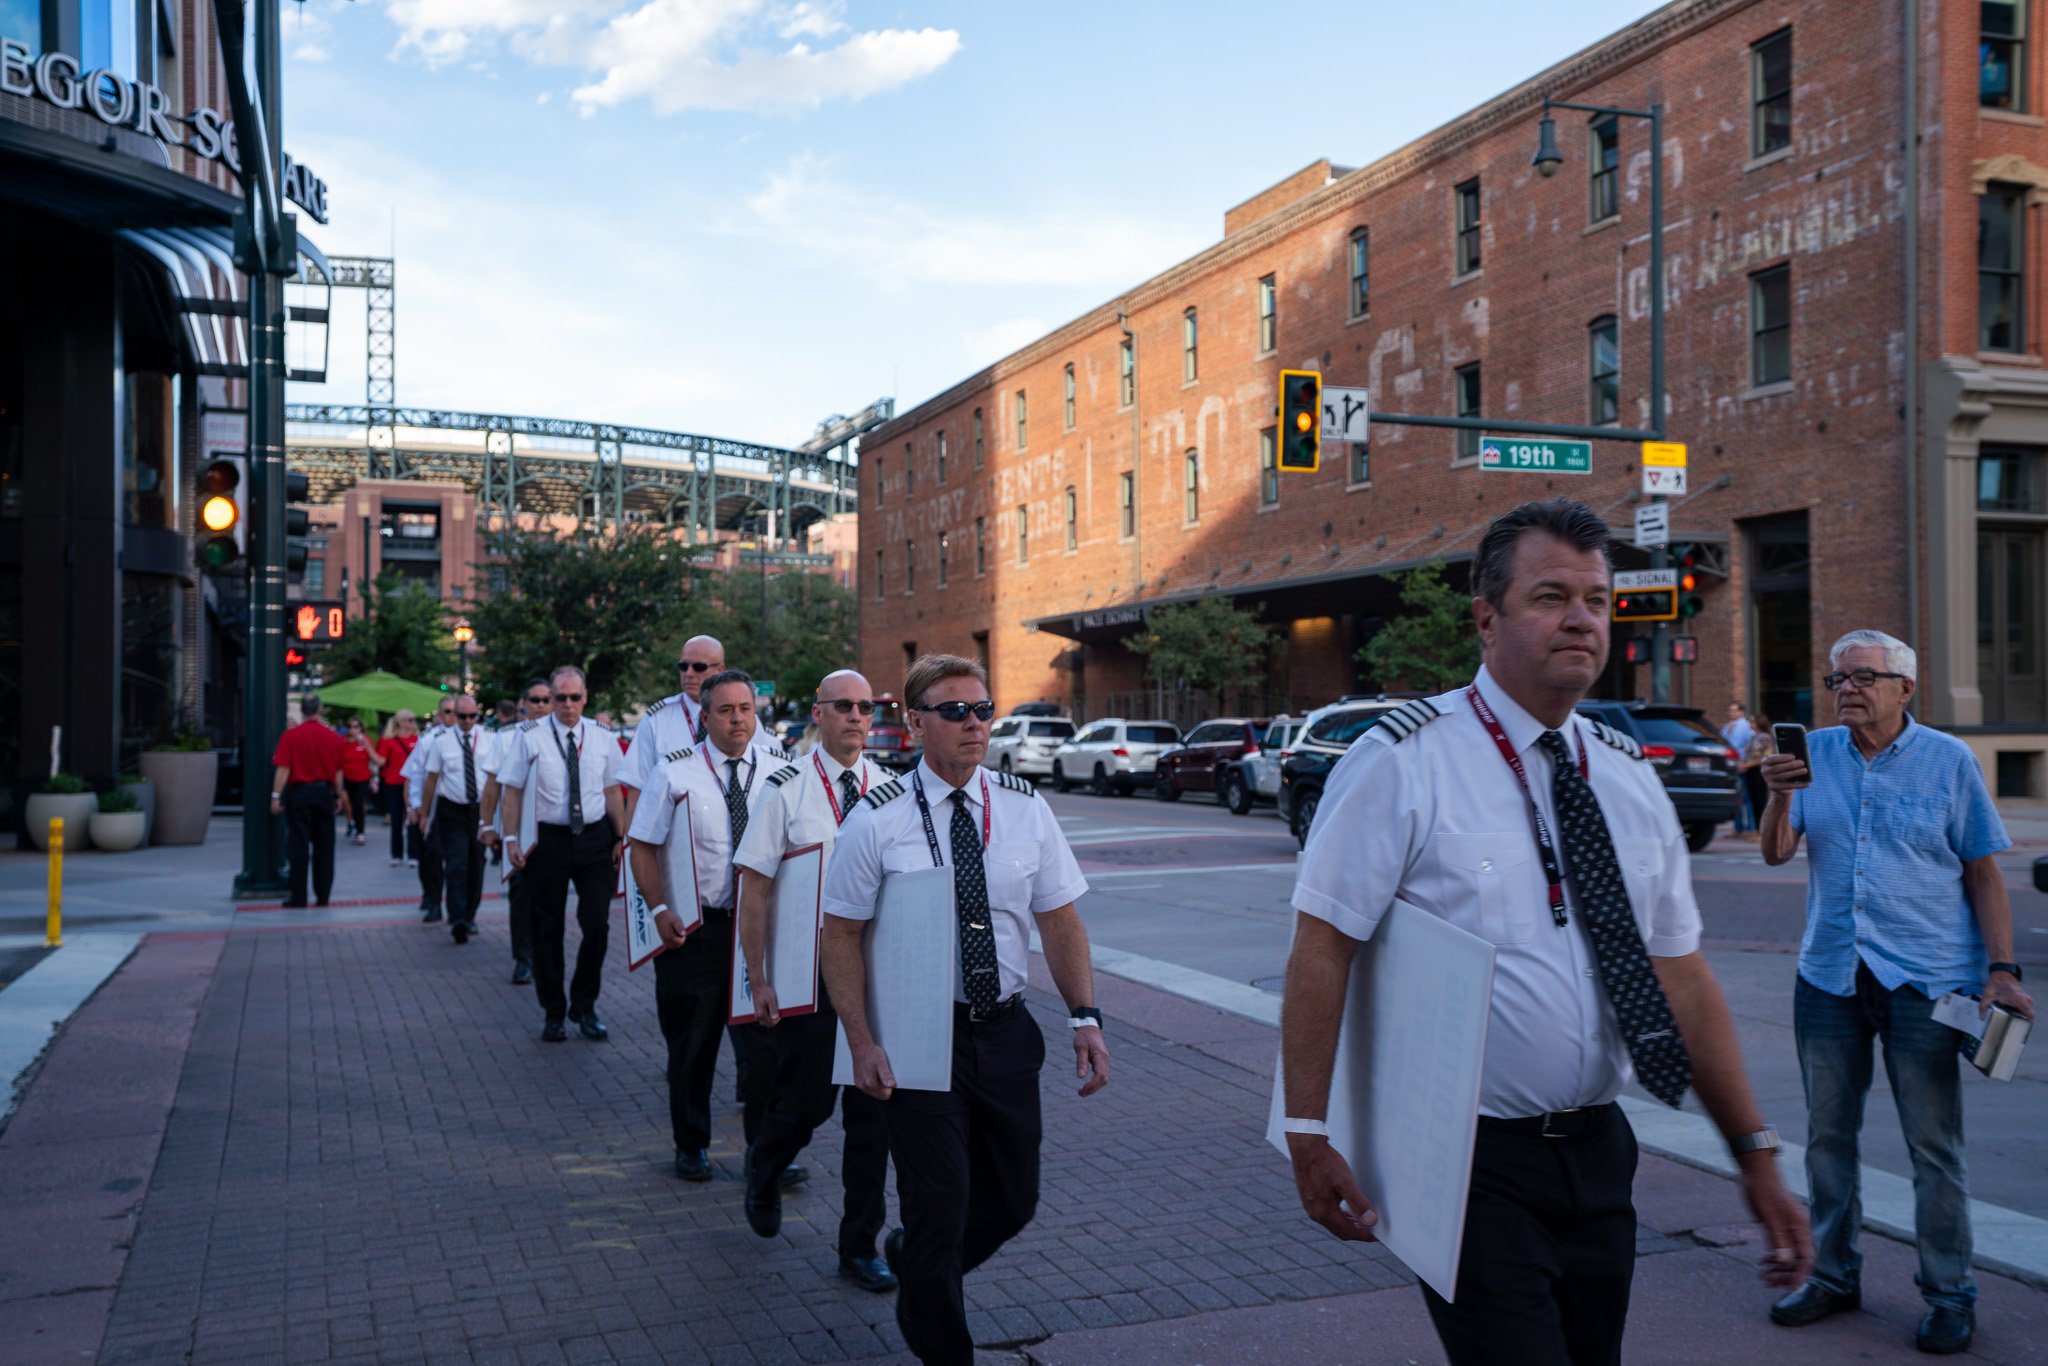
(763, 688)
(1346, 414)
(1640, 580)
(1535, 455)
(1666, 454)
(1666, 480)
(1653, 525)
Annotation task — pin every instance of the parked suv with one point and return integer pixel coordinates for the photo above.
(1024, 744)
(1209, 750)
(1697, 766)
(1256, 777)
(889, 743)
(1112, 755)
(1323, 739)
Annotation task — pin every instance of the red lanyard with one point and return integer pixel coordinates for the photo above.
(751, 767)
(839, 817)
(1545, 849)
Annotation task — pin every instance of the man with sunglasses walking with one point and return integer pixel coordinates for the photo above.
(536, 699)
(967, 1157)
(1904, 903)
(454, 793)
(419, 813)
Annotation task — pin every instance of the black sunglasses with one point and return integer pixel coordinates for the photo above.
(537, 701)
(695, 666)
(845, 705)
(960, 711)
(568, 697)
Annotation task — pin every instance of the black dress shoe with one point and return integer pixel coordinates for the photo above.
(795, 1174)
(892, 1251)
(869, 1273)
(554, 1032)
(432, 917)
(460, 929)
(593, 1028)
(694, 1166)
(764, 1203)
(293, 905)
(522, 973)
(1945, 1331)
(1811, 1303)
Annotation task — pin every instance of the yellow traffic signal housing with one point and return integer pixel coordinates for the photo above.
(1301, 420)
(1646, 604)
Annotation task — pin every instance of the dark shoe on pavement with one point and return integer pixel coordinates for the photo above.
(1811, 1303)
(293, 905)
(432, 916)
(892, 1251)
(694, 1166)
(522, 973)
(592, 1027)
(795, 1174)
(869, 1273)
(764, 1203)
(460, 929)
(1945, 1331)
(554, 1032)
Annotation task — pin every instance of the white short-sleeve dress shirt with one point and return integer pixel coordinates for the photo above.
(801, 808)
(537, 764)
(415, 770)
(698, 775)
(445, 758)
(1435, 817)
(1031, 870)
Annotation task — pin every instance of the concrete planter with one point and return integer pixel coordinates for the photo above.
(118, 831)
(184, 793)
(145, 801)
(77, 809)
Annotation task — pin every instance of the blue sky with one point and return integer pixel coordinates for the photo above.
(736, 217)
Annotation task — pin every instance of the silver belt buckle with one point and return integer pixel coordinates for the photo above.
(1550, 1114)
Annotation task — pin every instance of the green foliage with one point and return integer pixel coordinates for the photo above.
(404, 630)
(65, 784)
(186, 742)
(811, 627)
(118, 801)
(1204, 645)
(1433, 646)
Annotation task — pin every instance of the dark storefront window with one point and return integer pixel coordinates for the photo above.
(149, 662)
(149, 455)
(2009, 615)
(10, 422)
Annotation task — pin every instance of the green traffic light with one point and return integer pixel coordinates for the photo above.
(217, 552)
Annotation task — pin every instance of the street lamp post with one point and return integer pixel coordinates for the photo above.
(1546, 161)
(463, 635)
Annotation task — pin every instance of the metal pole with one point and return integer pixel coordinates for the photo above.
(1660, 558)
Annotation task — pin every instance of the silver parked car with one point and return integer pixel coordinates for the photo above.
(1024, 745)
(1113, 755)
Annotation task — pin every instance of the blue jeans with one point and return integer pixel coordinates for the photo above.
(1834, 1035)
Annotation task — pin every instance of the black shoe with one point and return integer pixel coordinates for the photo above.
(795, 1174)
(592, 1027)
(892, 1251)
(1945, 1331)
(432, 917)
(522, 973)
(460, 929)
(694, 1166)
(554, 1032)
(764, 1203)
(293, 905)
(1811, 1303)
(869, 1273)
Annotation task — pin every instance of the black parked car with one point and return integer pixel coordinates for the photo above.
(1322, 742)
(1697, 766)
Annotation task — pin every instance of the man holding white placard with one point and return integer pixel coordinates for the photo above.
(966, 1157)
(789, 1059)
(1499, 810)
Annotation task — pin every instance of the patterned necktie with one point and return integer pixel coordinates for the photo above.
(735, 801)
(1662, 1064)
(982, 984)
(849, 793)
(468, 768)
(572, 755)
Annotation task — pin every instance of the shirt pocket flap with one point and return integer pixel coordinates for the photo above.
(1012, 867)
(905, 857)
(1487, 877)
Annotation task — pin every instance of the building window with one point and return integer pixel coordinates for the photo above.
(909, 567)
(945, 545)
(1603, 363)
(1605, 164)
(1020, 419)
(1191, 494)
(2002, 55)
(1187, 347)
(909, 473)
(1770, 93)
(977, 438)
(1361, 261)
(1023, 534)
(980, 546)
(1468, 406)
(1126, 373)
(1127, 504)
(2009, 479)
(1073, 519)
(881, 576)
(942, 458)
(2001, 269)
(1269, 467)
(1361, 463)
(1067, 397)
(1269, 322)
(1770, 326)
(1468, 226)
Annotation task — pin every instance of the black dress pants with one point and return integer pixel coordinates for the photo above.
(966, 1175)
(864, 1170)
(692, 1000)
(559, 859)
(520, 917)
(462, 859)
(1550, 1249)
(309, 823)
(427, 850)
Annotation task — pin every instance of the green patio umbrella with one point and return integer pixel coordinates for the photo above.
(380, 692)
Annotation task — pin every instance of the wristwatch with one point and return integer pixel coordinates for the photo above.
(1763, 1140)
(2013, 968)
(1084, 1017)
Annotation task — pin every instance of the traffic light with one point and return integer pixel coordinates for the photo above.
(220, 526)
(320, 622)
(294, 657)
(1635, 650)
(1301, 420)
(1687, 558)
(1646, 604)
(297, 523)
(1685, 649)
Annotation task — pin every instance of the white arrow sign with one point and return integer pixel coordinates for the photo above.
(1653, 525)
(1346, 414)
(1665, 479)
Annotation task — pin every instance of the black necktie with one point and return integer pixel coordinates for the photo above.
(849, 793)
(980, 981)
(468, 768)
(1662, 1064)
(572, 755)
(735, 801)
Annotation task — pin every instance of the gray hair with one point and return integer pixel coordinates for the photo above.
(563, 670)
(1899, 657)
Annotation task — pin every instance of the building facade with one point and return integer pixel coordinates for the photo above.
(1820, 285)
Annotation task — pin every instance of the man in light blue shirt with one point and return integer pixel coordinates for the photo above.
(1904, 903)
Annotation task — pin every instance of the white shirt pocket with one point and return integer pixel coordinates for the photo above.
(1642, 872)
(1012, 867)
(905, 857)
(1492, 886)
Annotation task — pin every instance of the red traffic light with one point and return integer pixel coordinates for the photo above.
(294, 656)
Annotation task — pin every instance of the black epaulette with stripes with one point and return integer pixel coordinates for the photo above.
(1609, 736)
(887, 792)
(529, 725)
(1404, 720)
(782, 775)
(654, 707)
(1017, 784)
(685, 752)
(777, 755)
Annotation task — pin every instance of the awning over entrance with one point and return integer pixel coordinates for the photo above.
(211, 298)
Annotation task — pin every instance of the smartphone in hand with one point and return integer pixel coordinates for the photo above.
(1791, 739)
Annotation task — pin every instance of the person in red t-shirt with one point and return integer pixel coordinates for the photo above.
(307, 791)
(401, 733)
(356, 758)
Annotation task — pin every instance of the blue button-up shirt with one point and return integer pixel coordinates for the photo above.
(1886, 843)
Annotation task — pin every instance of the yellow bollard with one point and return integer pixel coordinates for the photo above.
(54, 933)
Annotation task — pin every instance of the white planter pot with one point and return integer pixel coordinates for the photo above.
(77, 809)
(118, 831)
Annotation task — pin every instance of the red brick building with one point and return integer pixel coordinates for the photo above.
(1820, 283)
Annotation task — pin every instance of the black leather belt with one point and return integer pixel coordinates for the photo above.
(1001, 1010)
(1585, 1119)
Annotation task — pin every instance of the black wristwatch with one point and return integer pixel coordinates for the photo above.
(2013, 968)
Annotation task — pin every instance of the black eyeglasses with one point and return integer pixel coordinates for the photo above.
(568, 697)
(467, 715)
(695, 666)
(1862, 678)
(537, 701)
(960, 711)
(845, 705)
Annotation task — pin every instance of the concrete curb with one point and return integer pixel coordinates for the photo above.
(43, 998)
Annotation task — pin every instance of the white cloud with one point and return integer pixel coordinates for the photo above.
(983, 345)
(307, 31)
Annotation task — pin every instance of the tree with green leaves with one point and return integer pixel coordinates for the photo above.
(404, 629)
(1203, 645)
(1433, 645)
(810, 627)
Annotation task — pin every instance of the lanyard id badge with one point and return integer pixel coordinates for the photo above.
(1546, 848)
